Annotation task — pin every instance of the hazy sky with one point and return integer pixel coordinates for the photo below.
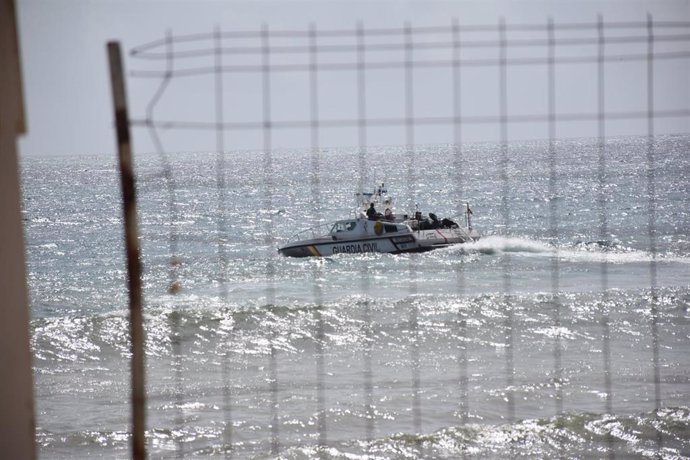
(67, 89)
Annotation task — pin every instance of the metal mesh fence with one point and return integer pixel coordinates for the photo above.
(477, 90)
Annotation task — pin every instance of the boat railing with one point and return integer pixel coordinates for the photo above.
(463, 221)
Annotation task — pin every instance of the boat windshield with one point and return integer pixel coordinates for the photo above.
(344, 226)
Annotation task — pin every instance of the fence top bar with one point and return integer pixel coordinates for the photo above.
(345, 66)
(403, 121)
(349, 48)
(397, 31)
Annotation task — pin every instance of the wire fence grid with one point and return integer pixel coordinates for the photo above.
(314, 88)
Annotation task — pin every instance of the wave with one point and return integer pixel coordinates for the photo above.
(190, 346)
(612, 252)
(660, 434)
(210, 325)
(500, 244)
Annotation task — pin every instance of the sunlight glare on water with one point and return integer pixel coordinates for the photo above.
(383, 356)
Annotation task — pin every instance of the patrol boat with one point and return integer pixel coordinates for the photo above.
(380, 233)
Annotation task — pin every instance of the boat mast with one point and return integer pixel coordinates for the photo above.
(468, 215)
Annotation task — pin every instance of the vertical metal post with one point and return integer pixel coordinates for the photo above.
(322, 418)
(651, 226)
(553, 211)
(132, 250)
(509, 324)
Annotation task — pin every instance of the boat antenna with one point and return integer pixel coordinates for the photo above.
(468, 213)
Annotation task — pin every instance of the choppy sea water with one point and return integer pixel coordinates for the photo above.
(563, 332)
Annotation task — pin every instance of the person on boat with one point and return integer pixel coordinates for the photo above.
(435, 223)
(371, 212)
(388, 214)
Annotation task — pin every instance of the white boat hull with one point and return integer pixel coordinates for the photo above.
(417, 241)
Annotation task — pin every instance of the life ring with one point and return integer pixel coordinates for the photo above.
(378, 227)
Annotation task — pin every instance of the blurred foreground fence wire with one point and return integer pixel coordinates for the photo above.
(255, 91)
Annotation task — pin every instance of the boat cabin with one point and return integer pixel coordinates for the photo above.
(360, 227)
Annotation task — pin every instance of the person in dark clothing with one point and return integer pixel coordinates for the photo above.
(435, 223)
(371, 212)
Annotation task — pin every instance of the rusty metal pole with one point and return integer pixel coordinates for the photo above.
(132, 251)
